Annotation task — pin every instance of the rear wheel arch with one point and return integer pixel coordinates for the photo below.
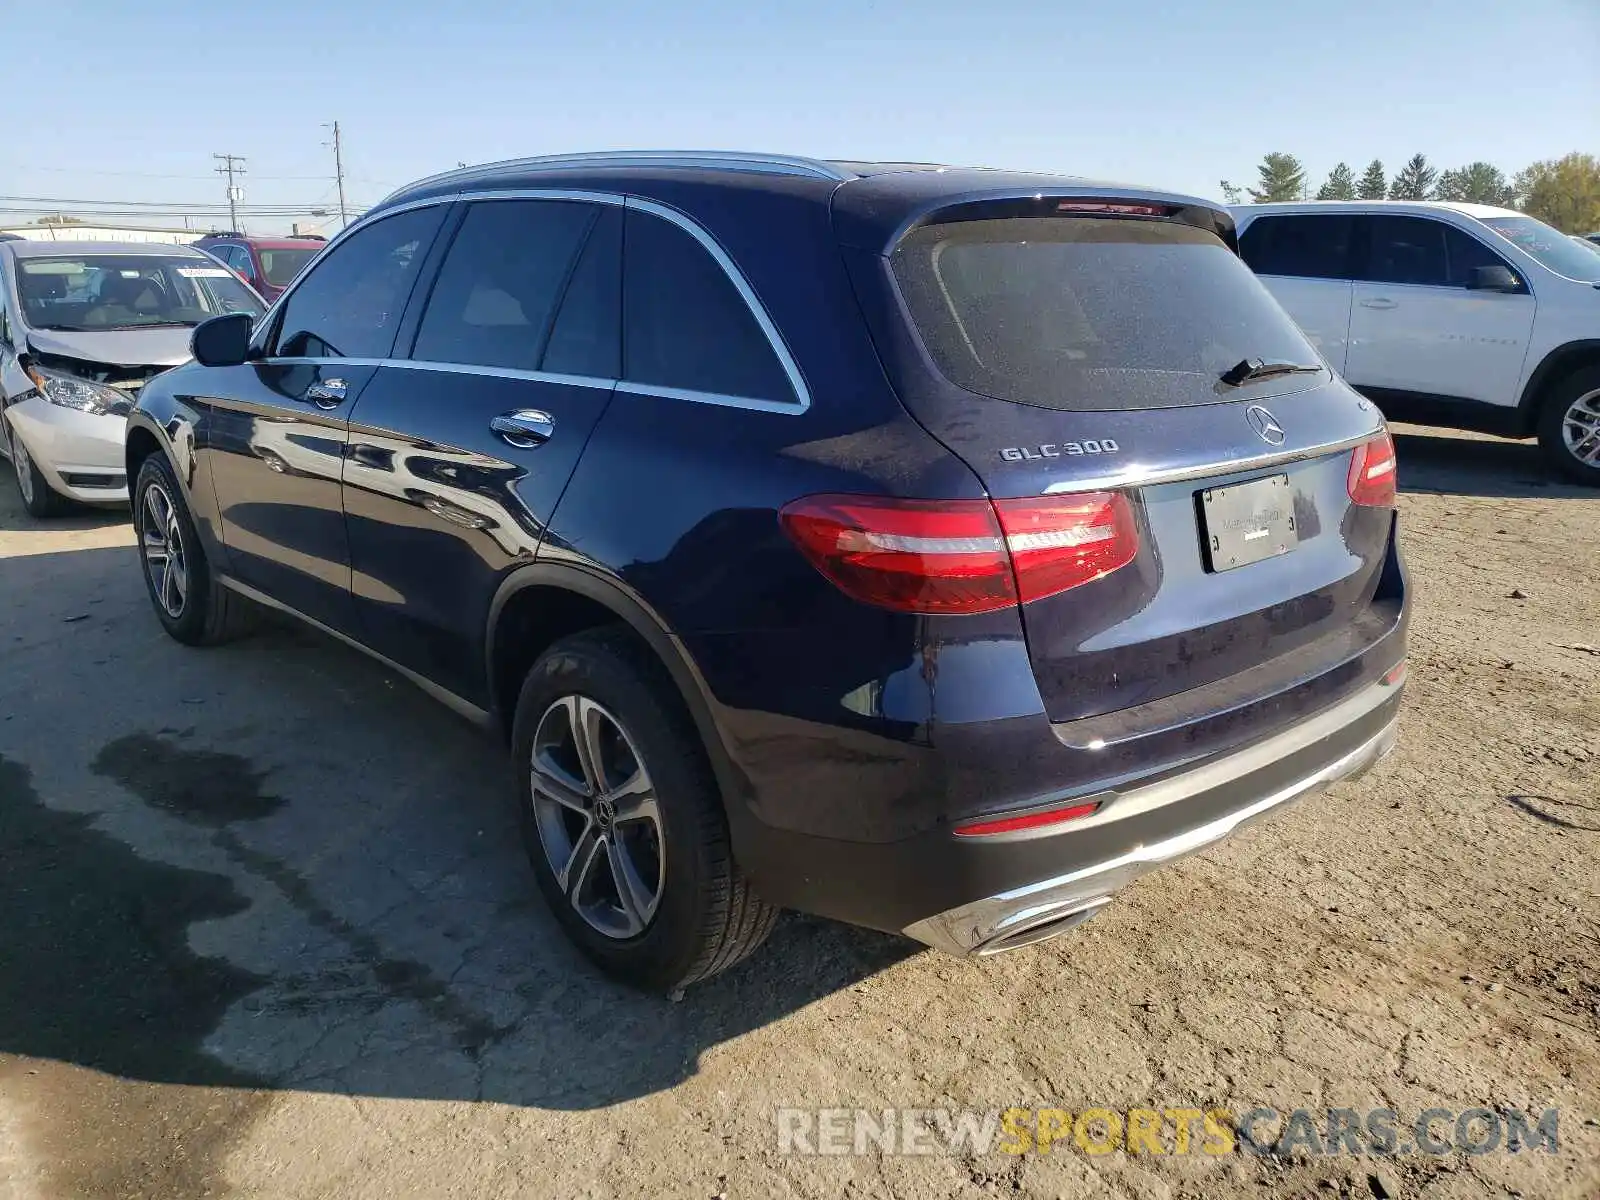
(1547, 376)
(538, 605)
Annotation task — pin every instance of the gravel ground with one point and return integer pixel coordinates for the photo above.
(267, 930)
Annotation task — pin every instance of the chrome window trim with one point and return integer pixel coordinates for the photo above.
(1136, 475)
(791, 369)
(633, 388)
(428, 364)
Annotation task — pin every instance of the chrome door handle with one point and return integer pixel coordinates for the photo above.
(1380, 302)
(525, 428)
(329, 393)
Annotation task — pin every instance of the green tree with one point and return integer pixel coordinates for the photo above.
(1564, 192)
(1374, 183)
(1341, 184)
(1475, 183)
(1230, 194)
(1282, 177)
(1415, 180)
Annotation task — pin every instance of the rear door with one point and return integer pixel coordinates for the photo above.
(1076, 363)
(273, 430)
(1416, 328)
(1306, 261)
(459, 451)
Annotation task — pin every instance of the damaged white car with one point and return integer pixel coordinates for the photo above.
(83, 326)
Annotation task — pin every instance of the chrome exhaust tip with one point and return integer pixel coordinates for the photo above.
(1032, 928)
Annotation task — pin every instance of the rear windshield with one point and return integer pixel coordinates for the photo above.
(96, 292)
(281, 266)
(1089, 313)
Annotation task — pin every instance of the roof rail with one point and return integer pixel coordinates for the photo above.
(724, 160)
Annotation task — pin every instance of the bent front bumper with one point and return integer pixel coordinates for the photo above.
(80, 454)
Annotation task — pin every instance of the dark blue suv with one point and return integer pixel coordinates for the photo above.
(928, 548)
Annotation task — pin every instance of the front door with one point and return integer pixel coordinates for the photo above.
(459, 453)
(1416, 328)
(273, 431)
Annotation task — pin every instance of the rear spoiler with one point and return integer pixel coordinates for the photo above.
(1071, 199)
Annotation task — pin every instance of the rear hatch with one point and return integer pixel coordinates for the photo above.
(1117, 354)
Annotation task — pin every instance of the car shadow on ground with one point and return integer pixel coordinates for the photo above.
(274, 864)
(1444, 463)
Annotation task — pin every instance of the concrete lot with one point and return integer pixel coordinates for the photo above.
(266, 930)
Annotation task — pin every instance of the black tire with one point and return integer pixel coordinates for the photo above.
(1577, 393)
(38, 497)
(208, 613)
(706, 917)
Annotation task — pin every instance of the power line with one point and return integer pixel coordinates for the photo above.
(235, 194)
(53, 202)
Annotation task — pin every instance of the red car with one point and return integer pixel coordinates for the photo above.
(267, 264)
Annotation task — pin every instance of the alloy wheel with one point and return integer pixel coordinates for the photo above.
(598, 818)
(1580, 428)
(161, 538)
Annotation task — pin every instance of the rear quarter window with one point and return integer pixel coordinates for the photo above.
(686, 327)
(1088, 313)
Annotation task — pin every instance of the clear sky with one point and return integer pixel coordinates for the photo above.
(128, 101)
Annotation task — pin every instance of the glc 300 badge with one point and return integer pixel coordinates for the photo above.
(1059, 450)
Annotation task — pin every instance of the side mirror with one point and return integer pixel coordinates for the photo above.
(222, 341)
(1496, 278)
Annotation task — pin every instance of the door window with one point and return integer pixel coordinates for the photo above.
(685, 325)
(1310, 247)
(350, 303)
(1423, 252)
(503, 281)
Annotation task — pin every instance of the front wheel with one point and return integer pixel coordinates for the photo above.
(1569, 426)
(190, 602)
(622, 819)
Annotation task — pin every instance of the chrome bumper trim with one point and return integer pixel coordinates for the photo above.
(998, 922)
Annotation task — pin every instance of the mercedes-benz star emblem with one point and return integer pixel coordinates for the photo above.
(1265, 424)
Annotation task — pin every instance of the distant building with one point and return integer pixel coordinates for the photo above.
(103, 233)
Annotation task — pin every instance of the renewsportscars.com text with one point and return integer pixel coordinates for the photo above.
(1377, 1132)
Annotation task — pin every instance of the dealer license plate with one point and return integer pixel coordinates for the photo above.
(1246, 522)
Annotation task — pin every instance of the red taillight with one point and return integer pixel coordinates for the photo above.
(1033, 820)
(1373, 469)
(1062, 542)
(962, 556)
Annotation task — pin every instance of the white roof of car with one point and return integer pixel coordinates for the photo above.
(31, 249)
(1478, 211)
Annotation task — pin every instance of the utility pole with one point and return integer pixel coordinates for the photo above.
(232, 164)
(338, 168)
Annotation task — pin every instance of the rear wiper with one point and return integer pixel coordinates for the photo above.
(1248, 369)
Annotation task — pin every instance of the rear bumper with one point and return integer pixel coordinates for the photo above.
(979, 895)
(1033, 911)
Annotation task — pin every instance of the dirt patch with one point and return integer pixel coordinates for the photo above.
(98, 973)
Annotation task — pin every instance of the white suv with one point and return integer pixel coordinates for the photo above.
(1445, 314)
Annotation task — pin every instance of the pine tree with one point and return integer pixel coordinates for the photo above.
(1282, 178)
(1415, 180)
(1341, 184)
(1374, 183)
(1476, 183)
